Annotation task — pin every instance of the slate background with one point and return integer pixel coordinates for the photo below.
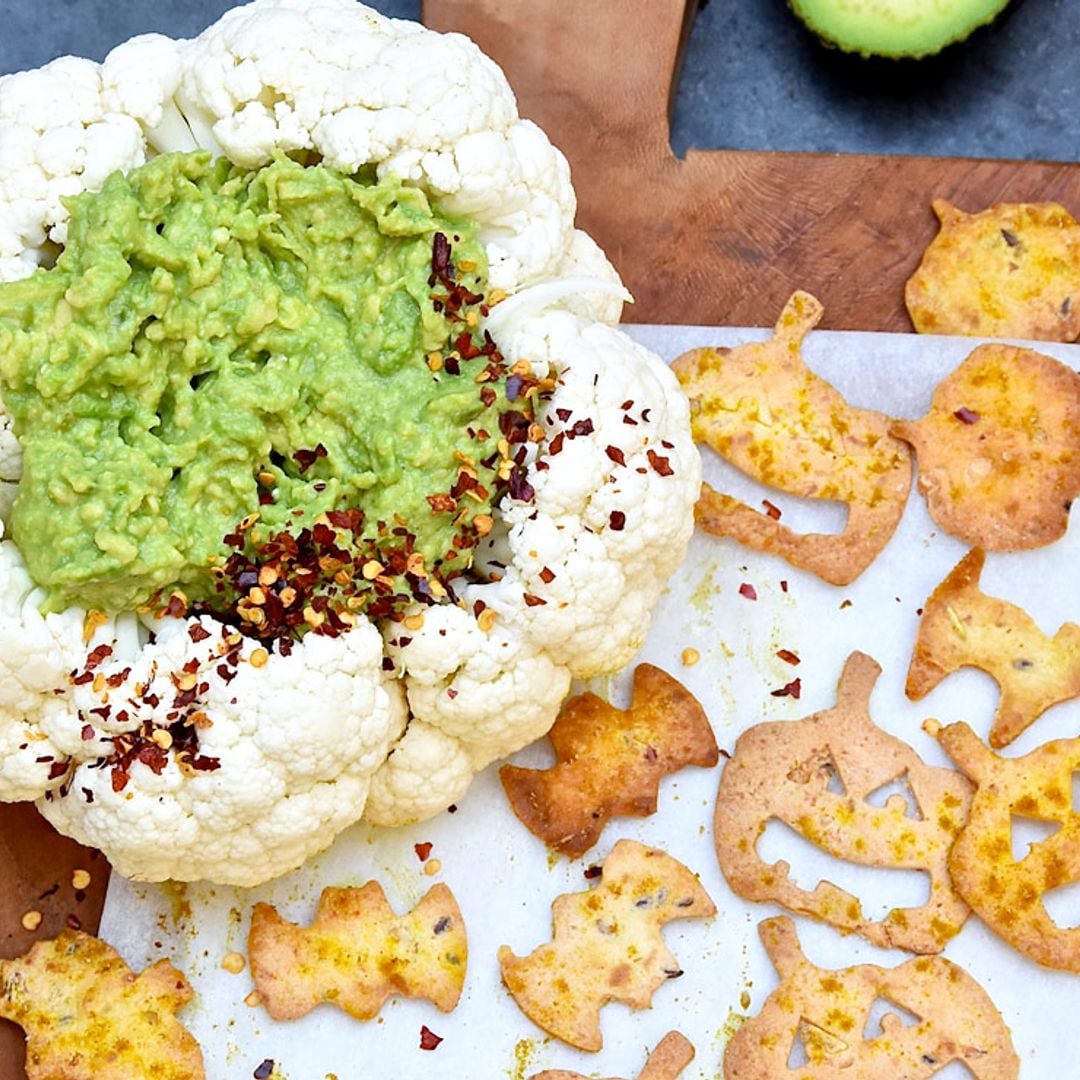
(753, 78)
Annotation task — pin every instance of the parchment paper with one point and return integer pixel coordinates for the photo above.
(505, 880)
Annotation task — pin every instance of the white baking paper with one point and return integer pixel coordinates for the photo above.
(505, 880)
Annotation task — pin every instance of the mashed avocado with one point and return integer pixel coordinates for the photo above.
(214, 342)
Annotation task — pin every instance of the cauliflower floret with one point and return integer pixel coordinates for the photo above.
(197, 753)
(335, 77)
(286, 747)
(58, 139)
(580, 565)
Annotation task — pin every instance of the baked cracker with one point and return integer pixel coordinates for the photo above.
(999, 450)
(825, 1014)
(1011, 271)
(606, 944)
(1008, 895)
(788, 771)
(357, 953)
(610, 761)
(87, 1014)
(762, 409)
(672, 1054)
(963, 627)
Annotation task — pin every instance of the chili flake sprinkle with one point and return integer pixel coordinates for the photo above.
(966, 415)
(747, 590)
(793, 690)
(428, 1039)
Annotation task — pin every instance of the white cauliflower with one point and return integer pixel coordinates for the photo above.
(194, 752)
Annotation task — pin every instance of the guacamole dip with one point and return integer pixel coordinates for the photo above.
(215, 343)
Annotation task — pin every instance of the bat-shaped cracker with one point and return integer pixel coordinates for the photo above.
(962, 626)
(610, 761)
(827, 1012)
(606, 944)
(672, 1054)
(87, 1014)
(1008, 895)
(1012, 271)
(357, 953)
(784, 770)
(999, 450)
(760, 407)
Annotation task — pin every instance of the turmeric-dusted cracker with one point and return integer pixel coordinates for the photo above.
(999, 450)
(1010, 271)
(816, 776)
(1008, 895)
(826, 1019)
(606, 944)
(672, 1054)
(762, 409)
(87, 1014)
(357, 953)
(610, 761)
(963, 627)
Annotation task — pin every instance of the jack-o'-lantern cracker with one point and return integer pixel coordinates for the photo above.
(999, 450)
(962, 626)
(824, 1019)
(760, 407)
(817, 775)
(1010, 271)
(1008, 894)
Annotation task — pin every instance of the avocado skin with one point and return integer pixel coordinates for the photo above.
(901, 29)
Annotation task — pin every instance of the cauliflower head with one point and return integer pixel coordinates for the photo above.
(186, 749)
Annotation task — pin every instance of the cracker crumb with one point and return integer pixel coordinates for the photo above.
(233, 963)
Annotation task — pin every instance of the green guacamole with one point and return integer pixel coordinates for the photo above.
(210, 335)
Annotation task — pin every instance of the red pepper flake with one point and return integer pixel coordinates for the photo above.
(423, 851)
(487, 395)
(442, 504)
(792, 690)
(845, 604)
(58, 768)
(593, 871)
(966, 416)
(451, 693)
(428, 1039)
(788, 656)
(533, 601)
(265, 1070)
(650, 753)
(87, 732)
(546, 576)
(783, 586)
(197, 632)
(74, 922)
(661, 465)
(615, 454)
(771, 509)
(725, 754)
(617, 520)
(306, 458)
(581, 428)
(564, 414)
(748, 590)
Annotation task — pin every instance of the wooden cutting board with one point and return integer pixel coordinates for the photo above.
(723, 236)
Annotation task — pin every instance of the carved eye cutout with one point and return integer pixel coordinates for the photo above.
(898, 796)
(847, 791)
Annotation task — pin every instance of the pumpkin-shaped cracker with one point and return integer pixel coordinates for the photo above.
(1008, 895)
(825, 1018)
(788, 771)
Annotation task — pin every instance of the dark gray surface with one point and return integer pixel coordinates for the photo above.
(753, 78)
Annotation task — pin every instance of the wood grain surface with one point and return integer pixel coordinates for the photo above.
(723, 236)
(720, 237)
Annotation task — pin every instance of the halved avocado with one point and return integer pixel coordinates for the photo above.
(896, 28)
